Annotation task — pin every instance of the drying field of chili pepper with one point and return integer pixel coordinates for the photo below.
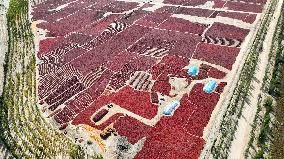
(141, 79)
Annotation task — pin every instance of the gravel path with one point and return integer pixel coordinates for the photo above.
(3, 39)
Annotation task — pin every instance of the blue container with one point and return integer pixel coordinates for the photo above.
(193, 71)
(169, 109)
(210, 86)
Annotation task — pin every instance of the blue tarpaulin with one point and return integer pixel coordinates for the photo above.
(210, 86)
(169, 109)
(193, 70)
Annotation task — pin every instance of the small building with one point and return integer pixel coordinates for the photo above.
(210, 86)
(169, 109)
(193, 71)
